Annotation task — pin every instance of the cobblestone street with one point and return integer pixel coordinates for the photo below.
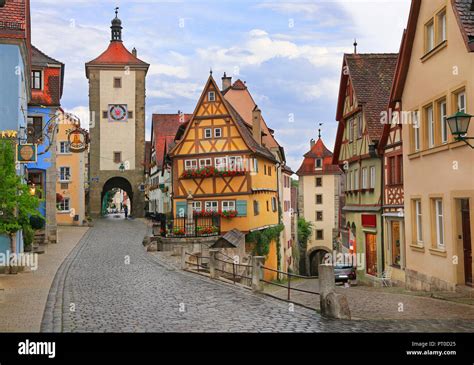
(110, 284)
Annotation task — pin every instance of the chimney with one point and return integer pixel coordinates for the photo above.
(134, 51)
(226, 82)
(312, 142)
(256, 125)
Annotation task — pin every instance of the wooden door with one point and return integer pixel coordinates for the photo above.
(466, 238)
(371, 253)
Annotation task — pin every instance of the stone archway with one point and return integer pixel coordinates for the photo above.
(314, 257)
(120, 183)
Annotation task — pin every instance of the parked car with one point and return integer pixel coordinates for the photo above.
(344, 273)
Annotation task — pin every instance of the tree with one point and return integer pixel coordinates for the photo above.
(305, 230)
(17, 205)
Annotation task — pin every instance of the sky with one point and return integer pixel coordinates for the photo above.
(289, 52)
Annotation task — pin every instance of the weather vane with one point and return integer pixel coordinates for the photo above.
(116, 11)
(319, 130)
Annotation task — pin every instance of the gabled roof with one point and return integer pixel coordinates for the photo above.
(239, 96)
(318, 150)
(465, 17)
(372, 76)
(243, 128)
(164, 128)
(40, 59)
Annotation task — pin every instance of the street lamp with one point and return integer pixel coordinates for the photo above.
(459, 124)
(32, 189)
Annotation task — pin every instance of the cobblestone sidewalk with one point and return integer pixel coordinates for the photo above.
(381, 303)
(25, 294)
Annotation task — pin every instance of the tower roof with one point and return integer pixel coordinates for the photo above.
(318, 150)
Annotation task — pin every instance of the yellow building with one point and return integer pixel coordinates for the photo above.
(70, 187)
(221, 164)
(435, 80)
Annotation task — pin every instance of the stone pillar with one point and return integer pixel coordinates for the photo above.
(327, 281)
(50, 195)
(333, 305)
(257, 273)
(183, 257)
(214, 274)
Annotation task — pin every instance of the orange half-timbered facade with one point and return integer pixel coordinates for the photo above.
(220, 164)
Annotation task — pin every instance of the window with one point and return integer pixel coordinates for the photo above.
(416, 131)
(364, 178)
(319, 182)
(351, 130)
(264, 169)
(443, 121)
(130, 114)
(356, 179)
(205, 162)
(319, 216)
(235, 163)
(442, 26)
(274, 204)
(318, 163)
(430, 36)
(36, 80)
(211, 96)
(228, 205)
(418, 222)
(319, 199)
(218, 132)
(221, 163)
(268, 207)
(190, 164)
(117, 157)
(35, 126)
(319, 235)
(64, 174)
(212, 206)
(64, 147)
(256, 208)
(439, 222)
(349, 178)
(461, 102)
(359, 126)
(392, 179)
(208, 133)
(117, 82)
(105, 114)
(197, 206)
(255, 165)
(372, 177)
(64, 205)
(431, 126)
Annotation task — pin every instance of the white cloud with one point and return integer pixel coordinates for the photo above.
(326, 87)
(168, 90)
(291, 7)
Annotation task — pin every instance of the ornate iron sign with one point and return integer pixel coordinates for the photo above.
(78, 139)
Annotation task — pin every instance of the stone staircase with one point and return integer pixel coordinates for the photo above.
(39, 242)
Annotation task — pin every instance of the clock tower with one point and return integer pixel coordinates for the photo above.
(117, 130)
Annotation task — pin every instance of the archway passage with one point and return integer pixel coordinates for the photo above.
(116, 193)
(316, 257)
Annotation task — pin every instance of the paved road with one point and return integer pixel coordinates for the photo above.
(110, 284)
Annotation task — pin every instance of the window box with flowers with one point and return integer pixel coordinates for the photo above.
(229, 214)
(207, 213)
(207, 231)
(211, 171)
(179, 232)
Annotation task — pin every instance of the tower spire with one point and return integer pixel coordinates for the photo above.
(355, 46)
(116, 28)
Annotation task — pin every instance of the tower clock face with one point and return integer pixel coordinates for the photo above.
(118, 113)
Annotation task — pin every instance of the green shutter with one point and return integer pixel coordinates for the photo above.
(181, 208)
(241, 206)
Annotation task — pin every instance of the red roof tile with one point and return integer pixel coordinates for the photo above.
(319, 150)
(14, 19)
(462, 9)
(116, 54)
(372, 76)
(165, 127)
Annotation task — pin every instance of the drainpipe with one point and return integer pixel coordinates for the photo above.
(382, 195)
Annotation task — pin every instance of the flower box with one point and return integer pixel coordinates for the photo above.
(211, 172)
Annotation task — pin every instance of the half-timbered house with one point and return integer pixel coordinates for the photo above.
(366, 81)
(221, 167)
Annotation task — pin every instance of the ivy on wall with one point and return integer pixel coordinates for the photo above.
(263, 238)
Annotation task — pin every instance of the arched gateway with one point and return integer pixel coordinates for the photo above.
(117, 131)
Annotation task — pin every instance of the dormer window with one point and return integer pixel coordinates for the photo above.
(36, 80)
(211, 96)
(318, 164)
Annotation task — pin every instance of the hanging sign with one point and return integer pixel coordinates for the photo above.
(26, 153)
(78, 139)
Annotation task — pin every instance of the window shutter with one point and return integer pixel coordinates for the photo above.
(241, 207)
(181, 208)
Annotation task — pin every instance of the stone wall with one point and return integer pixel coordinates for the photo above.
(422, 282)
